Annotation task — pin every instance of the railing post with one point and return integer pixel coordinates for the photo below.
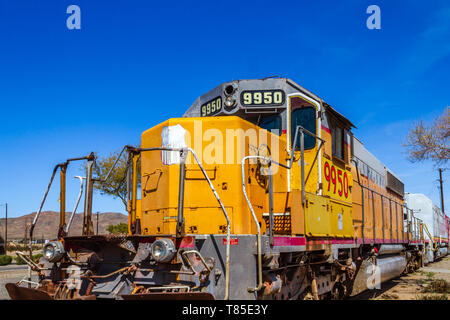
(135, 226)
(408, 228)
(302, 163)
(403, 224)
(363, 215)
(88, 227)
(396, 220)
(382, 217)
(415, 229)
(390, 216)
(374, 225)
(271, 222)
(62, 201)
(180, 217)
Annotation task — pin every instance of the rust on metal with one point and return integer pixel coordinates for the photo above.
(23, 293)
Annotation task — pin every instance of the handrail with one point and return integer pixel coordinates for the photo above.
(184, 150)
(255, 218)
(270, 161)
(91, 156)
(112, 167)
(31, 264)
(410, 220)
(43, 200)
(76, 204)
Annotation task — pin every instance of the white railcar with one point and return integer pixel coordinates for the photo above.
(435, 221)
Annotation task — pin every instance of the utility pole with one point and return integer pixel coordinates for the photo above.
(442, 190)
(5, 245)
(97, 222)
(6, 228)
(25, 238)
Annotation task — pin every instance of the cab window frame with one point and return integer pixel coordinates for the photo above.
(296, 146)
(337, 127)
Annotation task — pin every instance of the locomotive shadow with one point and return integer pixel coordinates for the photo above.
(374, 293)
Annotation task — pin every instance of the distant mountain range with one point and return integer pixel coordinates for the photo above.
(48, 222)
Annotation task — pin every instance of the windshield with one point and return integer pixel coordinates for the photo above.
(271, 123)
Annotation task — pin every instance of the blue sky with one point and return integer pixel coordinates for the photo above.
(133, 64)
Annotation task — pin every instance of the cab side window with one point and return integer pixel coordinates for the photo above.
(337, 141)
(305, 117)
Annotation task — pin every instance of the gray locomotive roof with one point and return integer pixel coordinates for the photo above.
(289, 86)
(285, 84)
(367, 157)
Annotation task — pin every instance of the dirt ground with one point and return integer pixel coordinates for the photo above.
(414, 286)
(12, 273)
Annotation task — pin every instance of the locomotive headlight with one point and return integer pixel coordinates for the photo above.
(53, 251)
(163, 250)
(229, 101)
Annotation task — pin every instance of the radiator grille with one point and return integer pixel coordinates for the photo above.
(281, 222)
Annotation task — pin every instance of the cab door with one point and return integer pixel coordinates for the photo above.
(304, 112)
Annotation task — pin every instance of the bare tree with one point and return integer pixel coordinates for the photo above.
(430, 142)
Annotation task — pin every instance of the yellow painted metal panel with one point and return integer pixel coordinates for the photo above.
(317, 216)
(341, 220)
(220, 143)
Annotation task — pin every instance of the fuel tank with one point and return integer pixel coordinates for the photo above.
(442, 252)
(391, 267)
(390, 249)
(374, 271)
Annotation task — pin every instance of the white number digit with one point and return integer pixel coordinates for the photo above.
(213, 106)
(257, 97)
(219, 104)
(208, 108)
(247, 98)
(277, 97)
(267, 97)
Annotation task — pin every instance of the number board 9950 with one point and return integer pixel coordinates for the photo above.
(211, 107)
(256, 98)
(338, 181)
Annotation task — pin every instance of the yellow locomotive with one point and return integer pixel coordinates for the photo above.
(260, 191)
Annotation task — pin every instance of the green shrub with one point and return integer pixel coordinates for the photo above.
(438, 286)
(23, 247)
(5, 260)
(36, 258)
(121, 228)
(19, 260)
(432, 297)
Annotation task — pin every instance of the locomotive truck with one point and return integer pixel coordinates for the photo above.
(259, 191)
